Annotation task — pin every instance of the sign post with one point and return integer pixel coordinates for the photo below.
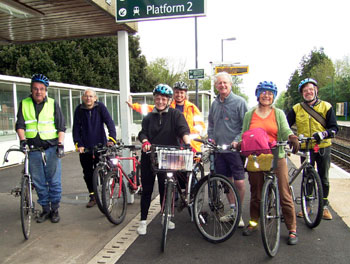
(139, 10)
(196, 74)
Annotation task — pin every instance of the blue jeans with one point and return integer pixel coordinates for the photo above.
(47, 179)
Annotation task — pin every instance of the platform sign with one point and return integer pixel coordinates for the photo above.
(140, 10)
(232, 70)
(196, 74)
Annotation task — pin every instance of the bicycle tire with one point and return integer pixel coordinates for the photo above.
(166, 213)
(114, 205)
(270, 220)
(97, 182)
(311, 197)
(210, 203)
(26, 208)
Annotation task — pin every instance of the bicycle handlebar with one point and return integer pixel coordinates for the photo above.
(214, 146)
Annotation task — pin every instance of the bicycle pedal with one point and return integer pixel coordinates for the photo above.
(16, 191)
(298, 200)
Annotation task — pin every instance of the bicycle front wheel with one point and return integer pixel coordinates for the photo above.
(213, 215)
(114, 198)
(270, 221)
(97, 181)
(167, 212)
(26, 207)
(311, 197)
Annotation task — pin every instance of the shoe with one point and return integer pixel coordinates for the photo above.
(142, 229)
(229, 216)
(292, 238)
(55, 217)
(43, 216)
(241, 223)
(92, 202)
(171, 225)
(326, 214)
(301, 214)
(250, 229)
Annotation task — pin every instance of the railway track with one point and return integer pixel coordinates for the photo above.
(341, 155)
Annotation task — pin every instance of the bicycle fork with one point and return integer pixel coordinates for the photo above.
(169, 180)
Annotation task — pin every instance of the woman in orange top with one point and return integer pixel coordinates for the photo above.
(274, 122)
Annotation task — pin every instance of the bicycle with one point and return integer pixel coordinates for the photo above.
(114, 196)
(105, 165)
(27, 205)
(311, 197)
(213, 197)
(174, 162)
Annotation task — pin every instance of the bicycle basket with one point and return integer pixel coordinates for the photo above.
(263, 162)
(172, 159)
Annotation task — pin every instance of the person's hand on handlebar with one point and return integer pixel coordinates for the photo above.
(294, 143)
(146, 146)
(319, 136)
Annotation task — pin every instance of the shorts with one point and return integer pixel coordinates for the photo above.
(230, 165)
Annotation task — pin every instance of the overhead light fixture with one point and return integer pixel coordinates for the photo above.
(17, 9)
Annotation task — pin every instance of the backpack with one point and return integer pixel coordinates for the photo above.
(256, 141)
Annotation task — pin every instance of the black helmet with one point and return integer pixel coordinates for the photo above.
(180, 86)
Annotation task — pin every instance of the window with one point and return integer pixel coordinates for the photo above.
(7, 113)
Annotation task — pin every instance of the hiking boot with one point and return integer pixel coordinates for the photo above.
(171, 224)
(292, 238)
(43, 216)
(142, 229)
(326, 214)
(230, 216)
(92, 202)
(55, 217)
(252, 227)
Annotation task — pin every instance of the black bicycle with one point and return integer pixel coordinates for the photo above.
(214, 217)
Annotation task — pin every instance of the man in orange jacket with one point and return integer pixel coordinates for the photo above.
(191, 112)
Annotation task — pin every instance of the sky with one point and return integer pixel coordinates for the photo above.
(272, 36)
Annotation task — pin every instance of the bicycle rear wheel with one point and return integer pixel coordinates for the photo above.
(167, 213)
(114, 203)
(212, 202)
(311, 197)
(270, 220)
(97, 181)
(26, 207)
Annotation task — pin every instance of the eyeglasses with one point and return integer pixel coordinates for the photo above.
(39, 89)
(269, 93)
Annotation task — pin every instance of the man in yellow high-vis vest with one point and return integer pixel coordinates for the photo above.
(41, 126)
(310, 127)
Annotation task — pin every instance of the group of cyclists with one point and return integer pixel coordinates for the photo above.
(174, 121)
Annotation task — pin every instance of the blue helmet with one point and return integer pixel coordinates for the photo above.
(266, 86)
(306, 81)
(163, 89)
(40, 78)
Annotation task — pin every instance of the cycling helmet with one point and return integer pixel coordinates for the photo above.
(163, 89)
(180, 86)
(40, 78)
(306, 81)
(266, 86)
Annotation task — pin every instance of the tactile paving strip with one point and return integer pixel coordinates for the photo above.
(120, 243)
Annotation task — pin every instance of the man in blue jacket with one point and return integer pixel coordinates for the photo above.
(88, 131)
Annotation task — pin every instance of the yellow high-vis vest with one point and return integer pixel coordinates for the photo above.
(45, 125)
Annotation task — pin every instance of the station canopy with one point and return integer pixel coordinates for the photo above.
(29, 21)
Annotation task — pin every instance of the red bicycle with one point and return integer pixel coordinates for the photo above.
(114, 196)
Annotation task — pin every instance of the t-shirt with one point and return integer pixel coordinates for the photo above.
(268, 123)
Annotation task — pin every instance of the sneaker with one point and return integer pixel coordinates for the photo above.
(229, 216)
(241, 223)
(142, 229)
(92, 202)
(292, 238)
(171, 224)
(55, 217)
(250, 229)
(301, 214)
(326, 214)
(43, 216)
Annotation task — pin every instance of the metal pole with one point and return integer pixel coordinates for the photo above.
(196, 56)
(222, 50)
